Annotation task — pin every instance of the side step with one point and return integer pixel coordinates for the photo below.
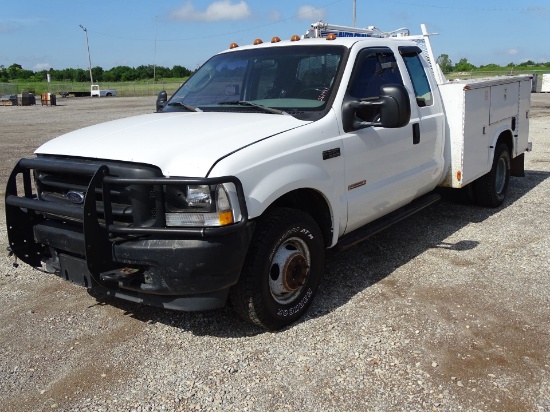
(384, 222)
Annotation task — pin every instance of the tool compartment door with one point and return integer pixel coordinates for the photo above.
(504, 102)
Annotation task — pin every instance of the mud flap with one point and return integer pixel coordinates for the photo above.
(517, 167)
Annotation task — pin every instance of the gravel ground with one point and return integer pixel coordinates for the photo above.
(446, 311)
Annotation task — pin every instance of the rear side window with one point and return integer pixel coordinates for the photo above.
(419, 80)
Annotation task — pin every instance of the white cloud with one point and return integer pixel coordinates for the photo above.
(310, 13)
(216, 11)
(41, 66)
(512, 52)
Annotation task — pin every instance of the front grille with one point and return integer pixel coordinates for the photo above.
(130, 205)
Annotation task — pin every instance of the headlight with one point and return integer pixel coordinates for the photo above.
(198, 205)
(199, 196)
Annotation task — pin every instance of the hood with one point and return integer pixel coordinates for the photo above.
(180, 144)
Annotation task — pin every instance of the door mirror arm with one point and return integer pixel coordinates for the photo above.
(356, 105)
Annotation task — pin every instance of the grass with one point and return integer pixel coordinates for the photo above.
(136, 88)
(150, 88)
(476, 74)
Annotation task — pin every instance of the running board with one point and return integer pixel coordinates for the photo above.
(384, 222)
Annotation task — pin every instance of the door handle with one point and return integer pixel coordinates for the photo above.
(416, 133)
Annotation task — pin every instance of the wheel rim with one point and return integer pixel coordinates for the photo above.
(289, 270)
(500, 176)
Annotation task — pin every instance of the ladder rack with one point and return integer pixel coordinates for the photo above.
(321, 29)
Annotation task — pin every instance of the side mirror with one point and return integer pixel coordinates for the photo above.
(396, 106)
(394, 109)
(162, 98)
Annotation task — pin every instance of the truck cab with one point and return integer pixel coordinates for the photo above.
(95, 91)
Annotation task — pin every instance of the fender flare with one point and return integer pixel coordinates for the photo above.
(282, 181)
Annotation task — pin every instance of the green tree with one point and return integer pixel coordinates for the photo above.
(491, 67)
(163, 72)
(81, 75)
(97, 73)
(13, 71)
(4, 78)
(445, 63)
(122, 74)
(180, 71)
(145, 72)
(464, 65)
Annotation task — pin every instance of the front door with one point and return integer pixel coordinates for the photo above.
(383, 166)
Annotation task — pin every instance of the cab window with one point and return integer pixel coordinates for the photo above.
(373, 69)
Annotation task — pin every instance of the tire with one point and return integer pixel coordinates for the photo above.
(282, 270)
(490, 190)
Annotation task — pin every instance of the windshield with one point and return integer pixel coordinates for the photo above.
(291, 79)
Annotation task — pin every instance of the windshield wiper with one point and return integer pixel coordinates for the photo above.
(257, 106)
(185, 106)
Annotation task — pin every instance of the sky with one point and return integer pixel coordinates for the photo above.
(40, 34)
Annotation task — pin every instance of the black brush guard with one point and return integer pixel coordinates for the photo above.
(26, 211)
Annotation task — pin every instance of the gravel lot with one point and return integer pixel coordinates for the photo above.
(448, 311)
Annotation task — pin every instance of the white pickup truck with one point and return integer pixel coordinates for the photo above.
(268, 155)
(96, 91)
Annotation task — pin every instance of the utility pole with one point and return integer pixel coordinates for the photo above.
(89, 59)
(155, 55)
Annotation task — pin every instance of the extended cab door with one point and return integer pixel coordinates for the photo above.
(385, 168)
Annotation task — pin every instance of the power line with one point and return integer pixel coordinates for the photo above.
(500, 9)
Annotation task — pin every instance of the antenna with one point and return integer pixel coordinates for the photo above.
(354, 11)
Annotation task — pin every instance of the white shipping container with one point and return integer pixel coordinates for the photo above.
(545, 87)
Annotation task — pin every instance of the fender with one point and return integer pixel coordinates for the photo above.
(498, 132)
(282, 181)
(292, 160)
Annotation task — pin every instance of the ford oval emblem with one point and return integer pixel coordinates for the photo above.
(75, 197)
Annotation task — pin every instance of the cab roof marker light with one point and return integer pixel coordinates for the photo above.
(331, 36)
(295, 38)
(275, 39)
(233, 45)
(257, 41)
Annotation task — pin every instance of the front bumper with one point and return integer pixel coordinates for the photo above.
(182, 274)
(176, 268)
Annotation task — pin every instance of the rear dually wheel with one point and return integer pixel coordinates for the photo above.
(490, 190)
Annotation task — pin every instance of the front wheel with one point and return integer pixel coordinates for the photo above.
(282, 270)
(490, 190)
